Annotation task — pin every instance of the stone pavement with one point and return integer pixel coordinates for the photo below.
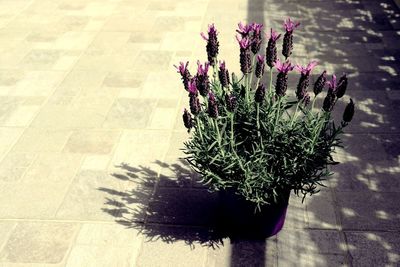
(90, 132)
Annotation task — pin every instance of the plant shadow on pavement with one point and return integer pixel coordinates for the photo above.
(356, 219)
(173, 207)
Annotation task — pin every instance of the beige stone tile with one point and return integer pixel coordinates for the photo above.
(78, 81)
(130, 80)
(38, 242)
(145, 37)
(42, 140)
(130, 22)
(87, 197)
(93, 141)
(8, 137)
(97, 256)
(163, 118)
(53, 167)
(107, 60)
(130, 113)
(41, 59)
(108, 234)
(18, 111)
(186, 39)
(5, 230)
(37, 83)
(74, 40)
(34, 200)
(141, 147)
(163, 84)
(109, 41)
(153, 60)
(70, 117)
(177, 254)
(14, 165)
(96, 162)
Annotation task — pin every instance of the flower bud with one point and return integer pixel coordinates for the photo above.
(288, 37)
(348, 112)
(223, 75)
(231, 102)
(320, 83)
(281, 81)
(302, 86)
(212, 44)
(271, 53)
(260, 65)
(245, 58)
(194, 104)
(202, 82)
(256, 38)
(187, 119)
(341, 86)
(329, 101)
(212, 105)
(185, 74)
(260, 94)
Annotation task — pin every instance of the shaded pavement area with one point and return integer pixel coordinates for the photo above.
(90, 135)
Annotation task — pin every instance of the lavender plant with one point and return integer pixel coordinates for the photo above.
(253, 137)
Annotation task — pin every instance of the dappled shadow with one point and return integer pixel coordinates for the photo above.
(360, 205)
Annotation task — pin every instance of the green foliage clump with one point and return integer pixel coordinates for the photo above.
(260, 142)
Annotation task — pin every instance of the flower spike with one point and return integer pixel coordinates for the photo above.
(185, 74)
(212, 43)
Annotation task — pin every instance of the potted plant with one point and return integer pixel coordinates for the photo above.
(252, 141)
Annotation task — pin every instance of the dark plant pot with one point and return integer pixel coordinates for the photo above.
(239, 218)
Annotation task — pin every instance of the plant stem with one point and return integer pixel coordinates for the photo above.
(258, 118)
(233, 144)
(277, 113)
(294, 115)
(199, 128)
(218, 136)
(270, 87)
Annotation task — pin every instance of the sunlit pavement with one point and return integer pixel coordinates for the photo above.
(90, 134)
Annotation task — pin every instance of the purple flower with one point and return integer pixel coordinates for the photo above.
(341, 86)
(281, 81)
(202, 70)
(304, 81)
(260, 94)
(231, 102)
(212, 105)
(287, 46)
(193, 88)
(274, 36)
(307, 69)
(202, 82)
(271, 53)
(283, 67)
(245, 58)
(256, 38)
(332, 84)
(320, 83)
(244, 29)
(348, 112)
(244, 42)
(187, 119)
(194, 104)
(290, 25)
(185, 74)
(212, 43)
(330, 98)
(223, 75)
(260, 65)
